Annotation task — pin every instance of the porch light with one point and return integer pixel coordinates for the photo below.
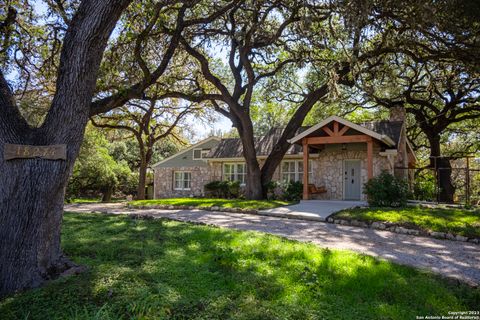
(344, 146)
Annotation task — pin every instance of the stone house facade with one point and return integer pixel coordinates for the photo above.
(340, 168)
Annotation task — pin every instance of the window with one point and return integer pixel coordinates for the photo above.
(199, 154)
(292, 170)
(182, 180)
(234, 172)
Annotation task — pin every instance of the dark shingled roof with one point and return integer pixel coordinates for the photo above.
(232, 147)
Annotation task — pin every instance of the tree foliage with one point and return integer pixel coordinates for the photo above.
(97, 172)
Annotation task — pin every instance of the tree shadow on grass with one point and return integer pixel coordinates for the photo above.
(169, 270)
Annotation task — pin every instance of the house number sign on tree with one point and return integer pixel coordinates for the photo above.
(17, 151)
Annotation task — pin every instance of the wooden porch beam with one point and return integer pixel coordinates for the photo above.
(370, 159)
(335, 128)
(338, 139)
(305, 169)
(328, 131)
(343, 130)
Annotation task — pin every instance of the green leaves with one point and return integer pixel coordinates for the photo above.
(96, 171)
(385, 190)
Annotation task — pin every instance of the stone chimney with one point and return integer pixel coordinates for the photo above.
(398, 113)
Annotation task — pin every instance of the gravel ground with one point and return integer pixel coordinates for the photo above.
(453, 259)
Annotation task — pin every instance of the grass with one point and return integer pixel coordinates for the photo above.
(211, 202)
(159, 269)
(456, 221)
(84, 200)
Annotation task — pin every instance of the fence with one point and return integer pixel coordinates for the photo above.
(425, 185)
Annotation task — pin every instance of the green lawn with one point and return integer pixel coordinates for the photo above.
(209, 202)
(457, 221)
(159, 269)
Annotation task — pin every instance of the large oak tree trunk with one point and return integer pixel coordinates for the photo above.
(107, 194)
(146, 154)
(32, 190)
(443, 169)
(253, 181)
(31, 201)
(142, 178)
(253, 178)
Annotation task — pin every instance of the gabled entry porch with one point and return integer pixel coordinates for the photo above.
(341, 135)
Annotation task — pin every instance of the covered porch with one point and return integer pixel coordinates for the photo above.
(341, 133)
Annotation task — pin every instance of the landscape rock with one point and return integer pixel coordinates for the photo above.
(440, 235)
(363, 225)
(215, 208)
(378, 225)
(450, 236)
(461, 238)
(413, 232)
(401, 230)
(355, 223)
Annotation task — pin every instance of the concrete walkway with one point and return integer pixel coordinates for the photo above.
(316, 210)
(453, 259)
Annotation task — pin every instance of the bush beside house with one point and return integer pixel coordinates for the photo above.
(223, 189)
(386, 190)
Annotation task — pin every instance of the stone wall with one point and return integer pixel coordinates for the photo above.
(164, 182)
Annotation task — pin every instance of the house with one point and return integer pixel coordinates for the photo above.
(341, 157)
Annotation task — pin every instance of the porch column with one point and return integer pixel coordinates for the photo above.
(370, 159)
(305, 169)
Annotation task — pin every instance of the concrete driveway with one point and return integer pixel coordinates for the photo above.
(316, 210)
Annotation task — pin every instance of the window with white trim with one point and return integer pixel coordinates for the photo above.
(292, 170)
(234, 172)
(182, 180)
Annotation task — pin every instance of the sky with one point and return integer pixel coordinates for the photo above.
(203, 130)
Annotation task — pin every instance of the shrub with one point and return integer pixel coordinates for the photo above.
(233, 189)
(271, 187)
(223, 189)
(425, 188)
(293, 191)
(216, 188)
(386, 190)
